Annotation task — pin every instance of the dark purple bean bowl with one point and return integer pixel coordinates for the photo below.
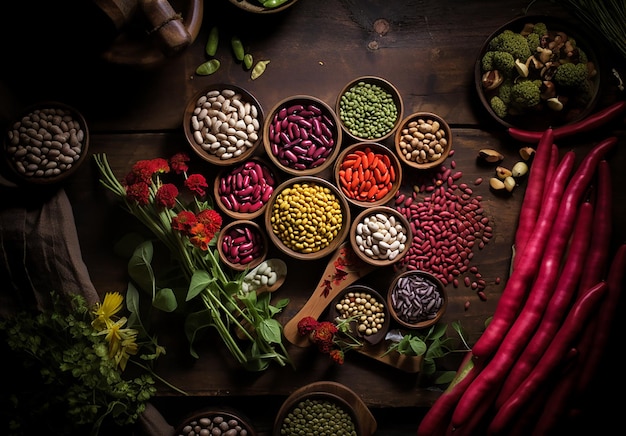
(302, 135)
(242, 244)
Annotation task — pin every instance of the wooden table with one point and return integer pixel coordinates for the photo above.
(315, 48)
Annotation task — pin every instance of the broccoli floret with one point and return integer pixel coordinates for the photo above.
(498, 106)
(511, 42)
(526, 93)
(486, 62)
(504, 91)
(533, 41)
(571, 75)
(540, 29)
(504, 62)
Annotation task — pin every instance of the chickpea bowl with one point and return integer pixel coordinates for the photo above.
(301, 135)
(423, 140)
(380, 235)
(222, 124)
(216, 420)
(46, 144)
(242, 244)
(368, 174)
(307, 218)
(369, 108)
(416, 299)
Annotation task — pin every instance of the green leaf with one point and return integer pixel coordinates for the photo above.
(195, 322)
(270, 330)
(127, 244)
(437, 331)
(445, 377)
(140, 268)
(165, 300)
(199, 282)
(428, 366)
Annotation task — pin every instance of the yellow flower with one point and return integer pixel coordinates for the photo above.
(121, 342)
(104, 312)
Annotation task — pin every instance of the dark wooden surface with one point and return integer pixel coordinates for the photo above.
(315, 48)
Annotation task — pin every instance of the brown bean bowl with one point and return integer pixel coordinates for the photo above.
(274, 149)
(391, 166)
(256, 7)
(271, 222)
(408, 154)
(424, 323)
(238, 177)
(202, 149)
(76, 136)
(374, 81)
(204, 417)
(241, 226)
(387, 211)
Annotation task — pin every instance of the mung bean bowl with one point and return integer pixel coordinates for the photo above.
(423, 140)
(223, 124)
(307, 218)
(301, 135)
(368, 174)
(242, 244)
(416, 299)
(369, 108)
(380, 235)
(46, 144)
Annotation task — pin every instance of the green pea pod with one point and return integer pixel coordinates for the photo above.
(208, 68)
(273, 3)
(237, 46)
(211, 44)
(248, 61)
(258, 69)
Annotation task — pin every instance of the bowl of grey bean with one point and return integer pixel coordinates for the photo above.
(242, 244)
(46, 144)
(380, 235)
(416, 299)
(369, 108)
(222, 124)
(307, 218)
(301, 135)
(423, 140)
(216, 421)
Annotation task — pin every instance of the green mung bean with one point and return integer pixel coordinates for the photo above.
(368, 111)
(318, 417)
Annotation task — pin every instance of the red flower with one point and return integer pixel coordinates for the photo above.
(184, 221)
(178, 162)
(159, 165)
(166, 196)
(324, 335)
(337, 356)
(138, 192)
(140, 173)
(212, 221)
(306, 325)
(196, 184)
(199, 237)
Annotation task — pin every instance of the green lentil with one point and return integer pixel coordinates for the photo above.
(318, 417)
(306, 217)
(368, 111)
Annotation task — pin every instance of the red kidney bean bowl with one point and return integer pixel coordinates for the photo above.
(242, 244)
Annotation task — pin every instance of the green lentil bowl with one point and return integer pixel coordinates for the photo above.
(369, 108)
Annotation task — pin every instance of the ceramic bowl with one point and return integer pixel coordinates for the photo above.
(307, 218)
(368, 174)
(374, 223)
(242, 244)
(573, 103)
(256, 6)
(369, 310)
(223, 419)
(423, 140)
(416, 299)
(203, 125)
(242, 190)
(301, 135)
(367, 124)
(46, 144)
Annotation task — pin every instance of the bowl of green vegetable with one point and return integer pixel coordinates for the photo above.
(263, 6)
(536, 72)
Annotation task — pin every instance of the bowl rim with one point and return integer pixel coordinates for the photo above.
(390, 87)
(268, 147)
(423, 114)
(191, 105)
(432, 278)
(389, 211)
(396, 162)
(43, 180)
(540, 123)
(258, 9)
(254, 263)
(334, 244)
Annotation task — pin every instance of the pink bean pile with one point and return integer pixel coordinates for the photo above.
(301, 136)
(242, 244)
(448, 223)
(247, 187)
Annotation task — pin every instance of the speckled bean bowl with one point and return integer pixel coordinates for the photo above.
(216, 421)
(423, 140)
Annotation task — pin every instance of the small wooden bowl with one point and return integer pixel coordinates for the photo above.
(350, 294)
(243, 190)
(274, 219)
(64, 126)
(204, 420)
(203, 134)
(385, 164)
(289, 150)
(419, 277)
(233, 253)
(362, 242)
(409, 146)
(338, 394)
(356, 86)
(256, 7)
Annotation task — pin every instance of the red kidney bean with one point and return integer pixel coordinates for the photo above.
(247, 187)
(241, 245)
